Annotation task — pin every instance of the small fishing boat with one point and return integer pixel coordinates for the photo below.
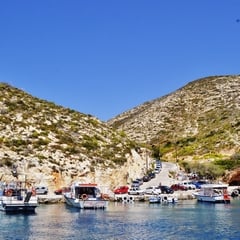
(155, 199)
(15, 199)
(169, 199)
(85, 196)
(163, 199)
(214, 193)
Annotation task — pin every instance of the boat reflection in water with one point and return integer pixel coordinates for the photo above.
(86, 196)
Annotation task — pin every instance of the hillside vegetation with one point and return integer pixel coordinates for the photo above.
(197, 126)
(199, 122)
(55, 143)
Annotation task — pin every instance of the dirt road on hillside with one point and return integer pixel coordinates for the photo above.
(163, 177)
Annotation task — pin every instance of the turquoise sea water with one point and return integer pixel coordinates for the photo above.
(186, 220)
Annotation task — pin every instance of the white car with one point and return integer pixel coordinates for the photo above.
(153, 190)
(41, 190)
(188, 185)
(136, 191)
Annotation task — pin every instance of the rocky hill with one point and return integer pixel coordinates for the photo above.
(51, 145)
(198, 121)
(47, 144)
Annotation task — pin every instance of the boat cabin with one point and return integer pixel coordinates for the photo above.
(214, 189)
(84, 191)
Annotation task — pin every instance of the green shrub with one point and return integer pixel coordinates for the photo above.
(6, 161)
(90, 144)
(208, 170)
(72, 149)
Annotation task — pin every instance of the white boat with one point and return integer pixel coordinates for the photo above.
(85, 196)
(169, 199)
(163, 199)
(155, 199)
(214, 193)
(14, 199)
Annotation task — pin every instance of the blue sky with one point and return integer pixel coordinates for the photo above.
(104, 57)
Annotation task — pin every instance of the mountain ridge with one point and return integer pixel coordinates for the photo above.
(204, 108)
(54, 145)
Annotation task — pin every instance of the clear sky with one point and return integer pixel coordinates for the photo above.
(104, 57)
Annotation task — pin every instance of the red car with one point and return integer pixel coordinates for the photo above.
(177, 187)
(121, 190)
(62, 190)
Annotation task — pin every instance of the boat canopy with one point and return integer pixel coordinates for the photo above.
(215, 186)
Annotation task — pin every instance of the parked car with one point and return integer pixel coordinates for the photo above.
(121, 190)
(136, 191)
(192, 176)
(189, 185)
(41, 190)
(140, 180)
(166, 189)
(158, 163)
(146, 178)
(135, 183)
(60, 191)
(178, 187)
(153, 190)
(152, 175)
(199, 183)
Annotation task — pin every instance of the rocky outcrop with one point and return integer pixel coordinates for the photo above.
(233, 178)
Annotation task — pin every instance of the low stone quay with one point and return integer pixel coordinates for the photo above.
(180, 195)
(50, 199)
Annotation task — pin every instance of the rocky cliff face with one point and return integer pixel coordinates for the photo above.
(47, 144)
(233, 177)
(194, 122)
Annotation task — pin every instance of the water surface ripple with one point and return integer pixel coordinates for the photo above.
(186, 220)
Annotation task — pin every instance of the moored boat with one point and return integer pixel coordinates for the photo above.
(155, 199)
(214, 193)
(85, 196)
(169, 199)
(163, 199)
(15, 199)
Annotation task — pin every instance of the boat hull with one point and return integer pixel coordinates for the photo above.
(18, 208)
(172, 200)
(213, 193)
(212, 199)
(86, 204)
(154, 200)
(11, 205)
(163, 199)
